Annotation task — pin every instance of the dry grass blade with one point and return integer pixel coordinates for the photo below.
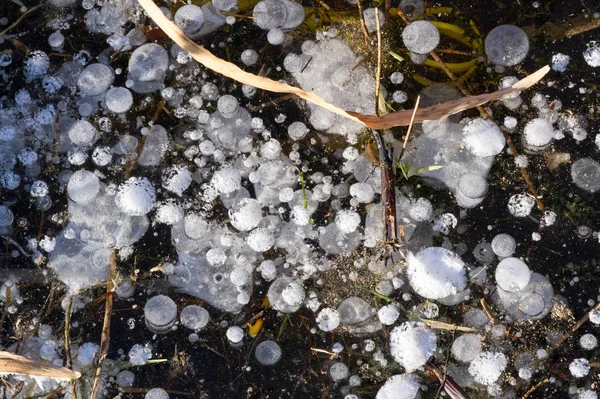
(16, 364)
(439, 325)
(401, 118)
(105, 338)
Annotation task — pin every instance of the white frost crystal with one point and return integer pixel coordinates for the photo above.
(400, 386)
(328, 319)
(136, 197)
(579, 367)
(436, 272)
(483, 137)
(412, 344)
(487, 367)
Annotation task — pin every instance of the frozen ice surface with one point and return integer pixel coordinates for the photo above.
(118, 100)
(328, 319)
(585, 173)
(160, 313)
(83, 186)
(436, 272)
(483, 137)
(512, 274)
(225, 5)
(399, 386)
(276, 296)
(169, 211)
(506, 45)
(487, 367)
(245, 214)
(335, 242)
(155, 146)
(520, 205)
(227, 180)
(466, 347)
(147, 67)
(504, 245)
(421, 37)
(95, 79)
(293, 294)
(362, 192)
(136, 196)
(412, 344)
(268, 353)
(347, 221)
(592, 54)
(421, 209)
(579, 368)
(260, 240)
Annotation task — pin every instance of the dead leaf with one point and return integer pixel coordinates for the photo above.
(438, 325)
(401, 118)
(16, 364)
(555, 159)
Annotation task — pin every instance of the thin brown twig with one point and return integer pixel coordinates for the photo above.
(536, 386)
(68, 343)
(410, 126)
(272, 103)
(18, 21)
(378, 72)
(105, 337)
(363, 25)
(488, 311)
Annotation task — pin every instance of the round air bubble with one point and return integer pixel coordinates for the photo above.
(503, 245)
(512, 274)
(506, 45)
(532, 304)
(235, 334)
(588, 341)
(6, 216)
(400, 386)
(82, 133)
(275, 37)
(225, 5)
(293, 294)
(95, 79)
(194, 317)
(275, 295)
(483, 253)
(412, 344)
(295, 15)
(436, 272)
(118, 100)
(10, 180)
(347, 221)
(228, 105)
(388, 314)
(169, 212)
(466, 347)
(520, 205)
(538, 134)
(328, 319)
(56, 40)
(487, 367)
(399, 96)
(83, 186)
(249, 91)
(189, 18)
(269, 14)
(471, 190)
(148, 63)
(412, 8)
(585, 173)
(297, 131)
(101, 156)
(592, 54)
(176, 179)
(362, 192)
(483, 138)
(125, 378)
(156, 393)
(579, 367)
(268, 353)
(249, 57)
(245, 214)
(271, 149)
(39, 188)
(260, 240)
(239, 277)
(227, 180)
(160, 313)
(354, 310)
(136, 196)
(421, 37)
(371, 19)
(397, 78)
(421, 210)
(338, 371)
(293, 63)
(322, 119)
